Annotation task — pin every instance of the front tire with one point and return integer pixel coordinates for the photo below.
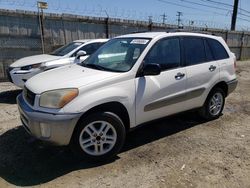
(213, 105)
(98, 136)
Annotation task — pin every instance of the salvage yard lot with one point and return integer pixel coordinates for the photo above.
(178, 151)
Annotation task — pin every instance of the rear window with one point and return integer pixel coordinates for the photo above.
(219, 52)
(194, 50)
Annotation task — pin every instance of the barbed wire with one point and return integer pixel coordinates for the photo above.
(115, 12)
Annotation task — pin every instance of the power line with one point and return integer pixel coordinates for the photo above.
(218, 3)
(225, 4)
(189, 7)
(208, 6)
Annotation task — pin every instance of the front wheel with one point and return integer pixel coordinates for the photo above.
(214, 104)
(98, 137)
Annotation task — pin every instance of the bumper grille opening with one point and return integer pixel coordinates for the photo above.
(29, 96)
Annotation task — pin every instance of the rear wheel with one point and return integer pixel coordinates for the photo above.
(214, 104)
(98, 137)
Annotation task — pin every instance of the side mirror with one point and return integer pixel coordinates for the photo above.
(151, 69)
(80, 54)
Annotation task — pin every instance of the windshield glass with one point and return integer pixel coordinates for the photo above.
(117, 55)
(66, 49)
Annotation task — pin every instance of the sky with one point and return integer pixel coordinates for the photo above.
(204, 13)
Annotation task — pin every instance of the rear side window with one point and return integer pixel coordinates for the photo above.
(194, 50)
(218, 50)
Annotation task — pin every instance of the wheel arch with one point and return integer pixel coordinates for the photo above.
(114, 107)
(223, 85)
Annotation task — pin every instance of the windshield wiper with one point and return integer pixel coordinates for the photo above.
(94, 66)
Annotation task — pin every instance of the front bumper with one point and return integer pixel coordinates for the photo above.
(54, 128)
(232, 85)
(19, 77)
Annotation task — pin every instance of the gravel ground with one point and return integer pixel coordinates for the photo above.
(178, 151)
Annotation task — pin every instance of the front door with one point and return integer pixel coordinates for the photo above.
(164, 94)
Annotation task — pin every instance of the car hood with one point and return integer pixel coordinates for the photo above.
(69, 76)
(30, 60)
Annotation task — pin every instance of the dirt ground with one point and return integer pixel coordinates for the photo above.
(178, 151)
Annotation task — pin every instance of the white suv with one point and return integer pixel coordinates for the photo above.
(130, 80)
(23, 69)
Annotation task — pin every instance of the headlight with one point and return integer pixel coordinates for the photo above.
(57, 98)
(43, 66)
(28, 67)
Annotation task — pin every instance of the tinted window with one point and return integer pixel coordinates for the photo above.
(66, 49)
(194, 50)
(90, 48)
(208, 52)
(218, 50)
(166, 53)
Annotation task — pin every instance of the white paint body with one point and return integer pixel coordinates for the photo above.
(97, 87)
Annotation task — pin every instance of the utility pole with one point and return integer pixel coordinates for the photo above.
(164, 18)
(234, 16)
(179, 14)
(40, 6)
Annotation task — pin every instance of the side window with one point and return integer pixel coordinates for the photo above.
(208, 52)
(166, 53)
(218, 50)
(194, 50)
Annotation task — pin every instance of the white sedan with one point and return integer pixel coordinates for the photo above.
(23, 69)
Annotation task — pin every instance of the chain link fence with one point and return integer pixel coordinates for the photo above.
(20, 33)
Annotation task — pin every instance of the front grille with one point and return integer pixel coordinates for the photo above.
(29, 96)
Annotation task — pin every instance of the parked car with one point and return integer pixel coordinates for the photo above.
(23, 69)
(130, 80)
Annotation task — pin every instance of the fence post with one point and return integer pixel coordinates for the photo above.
(226, 36)
(64, 34)
(107, 27)
(241, 44)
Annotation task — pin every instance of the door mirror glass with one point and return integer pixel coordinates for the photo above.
(80, 53)
(151, 69)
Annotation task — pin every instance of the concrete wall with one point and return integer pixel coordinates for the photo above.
(20, 33)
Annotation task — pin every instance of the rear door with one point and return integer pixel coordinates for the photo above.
(202, 70)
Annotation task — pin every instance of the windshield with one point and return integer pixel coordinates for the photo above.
(66, 49)
(117, 55)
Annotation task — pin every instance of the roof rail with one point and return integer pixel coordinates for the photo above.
(204, 31)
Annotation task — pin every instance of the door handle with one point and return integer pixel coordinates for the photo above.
(212, 68)
(179, 76)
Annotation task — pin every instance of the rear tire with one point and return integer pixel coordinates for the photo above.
(213, 105)
(98, 137)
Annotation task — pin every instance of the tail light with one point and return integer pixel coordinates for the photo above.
(234, 60)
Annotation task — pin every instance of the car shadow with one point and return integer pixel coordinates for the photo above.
(9, 97)
(28, 162)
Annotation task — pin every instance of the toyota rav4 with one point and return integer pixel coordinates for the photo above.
(130, 80)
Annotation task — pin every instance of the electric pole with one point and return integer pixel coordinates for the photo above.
(179, 14)
(164, 18)
(234, 16)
